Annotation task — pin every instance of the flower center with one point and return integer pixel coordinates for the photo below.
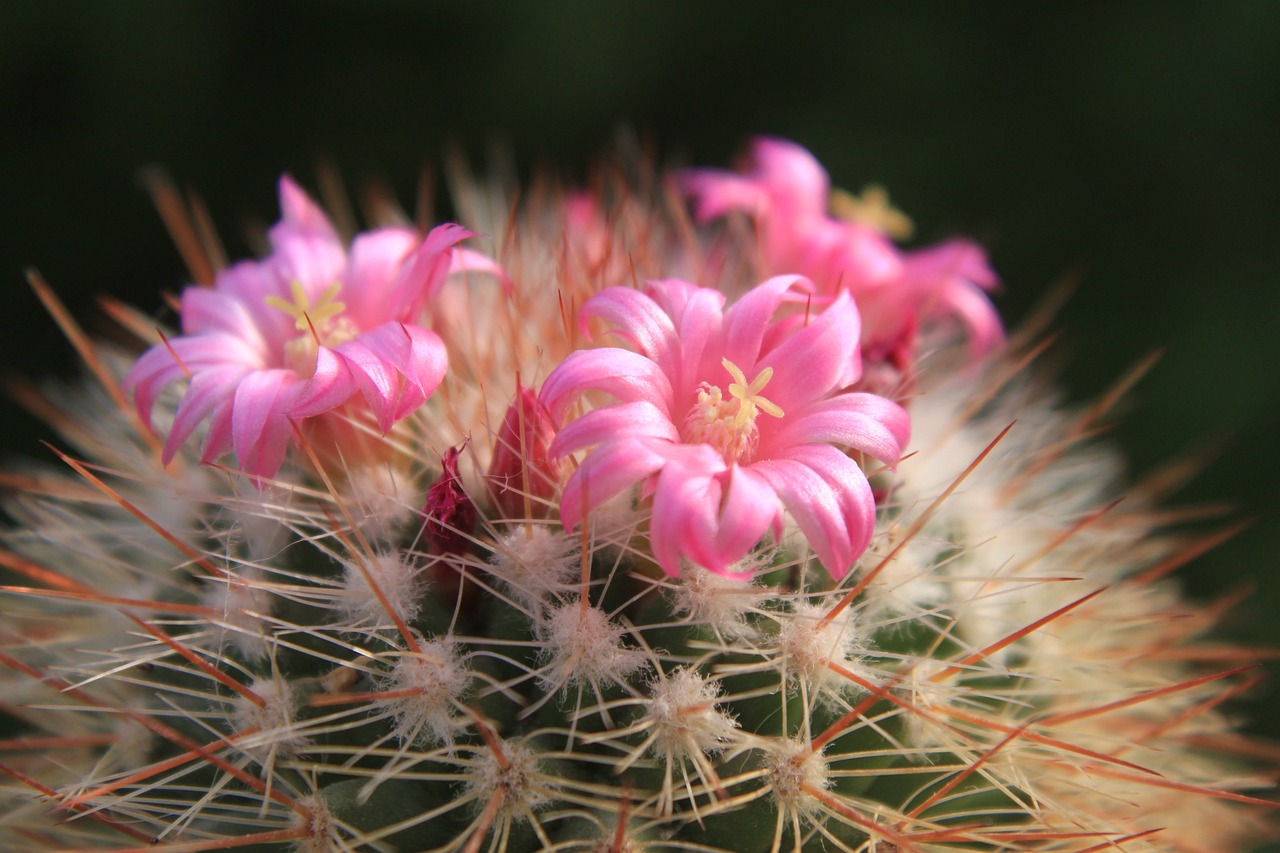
(729, 425)
(321, 324)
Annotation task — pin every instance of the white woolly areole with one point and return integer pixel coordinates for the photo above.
(683, 718)
(318, 820)
(583, 646)
(795, 769)
(719, 601)
(438, 676)
(536, 563)
(513, 778)
(808, 642)
(399, 580)
(274, 720)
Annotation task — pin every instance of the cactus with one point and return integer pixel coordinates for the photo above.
(381, 608)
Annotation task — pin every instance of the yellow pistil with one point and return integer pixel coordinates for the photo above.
(729, 425)
(308, 317)
(748, 394)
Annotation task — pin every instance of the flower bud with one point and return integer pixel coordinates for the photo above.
(521, 477)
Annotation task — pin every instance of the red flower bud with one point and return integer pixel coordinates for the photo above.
(521, 477)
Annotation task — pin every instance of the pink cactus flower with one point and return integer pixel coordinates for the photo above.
(302, 332)
(726, 417)
(786, 192)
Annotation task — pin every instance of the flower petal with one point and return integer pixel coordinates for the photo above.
(164, 364)
(640, 419)
(260, 429)
(750, 507)
(372, 270)
(817, 358)
(685, 500)
(816, 507)
(305, 247)
(864, 422)
(638, 319)
(425, 272)
(853, 494)
(396, 367)
(208, 390)
(604, 473)
(623, 374)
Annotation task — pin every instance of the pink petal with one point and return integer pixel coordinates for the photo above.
(748, 319)
(816, 359)
(817, 508)
(376, 258)
(749, 508)
(249, 283)
(686, 498)
(377, 381)
(716, 193)
(208, 390)
(640, 419)
(162, 365)
(329, 387)
(978, 314)
(470, 261)
(962, 260)
(205, 311)
(604, 473)
(864, 422)
(395, 367)
(305, 247)
(798, 183)
(260, 429)
(697, 313)
(638, 319)
(425, 272)
(625, 375)
(300, 213)
(854, 497)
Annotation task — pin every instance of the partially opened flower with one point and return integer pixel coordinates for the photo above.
(726, 417)
(301, 332)
(787, 193)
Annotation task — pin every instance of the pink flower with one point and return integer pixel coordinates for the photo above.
(301, 332)
(726, 417)
(787, 193)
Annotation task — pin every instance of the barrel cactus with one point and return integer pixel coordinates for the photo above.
(682, 512)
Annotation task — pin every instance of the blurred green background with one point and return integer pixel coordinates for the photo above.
(1132, 143)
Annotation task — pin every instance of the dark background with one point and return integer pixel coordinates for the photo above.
(1132, 143)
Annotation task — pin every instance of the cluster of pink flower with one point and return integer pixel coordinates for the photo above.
(723, 416)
